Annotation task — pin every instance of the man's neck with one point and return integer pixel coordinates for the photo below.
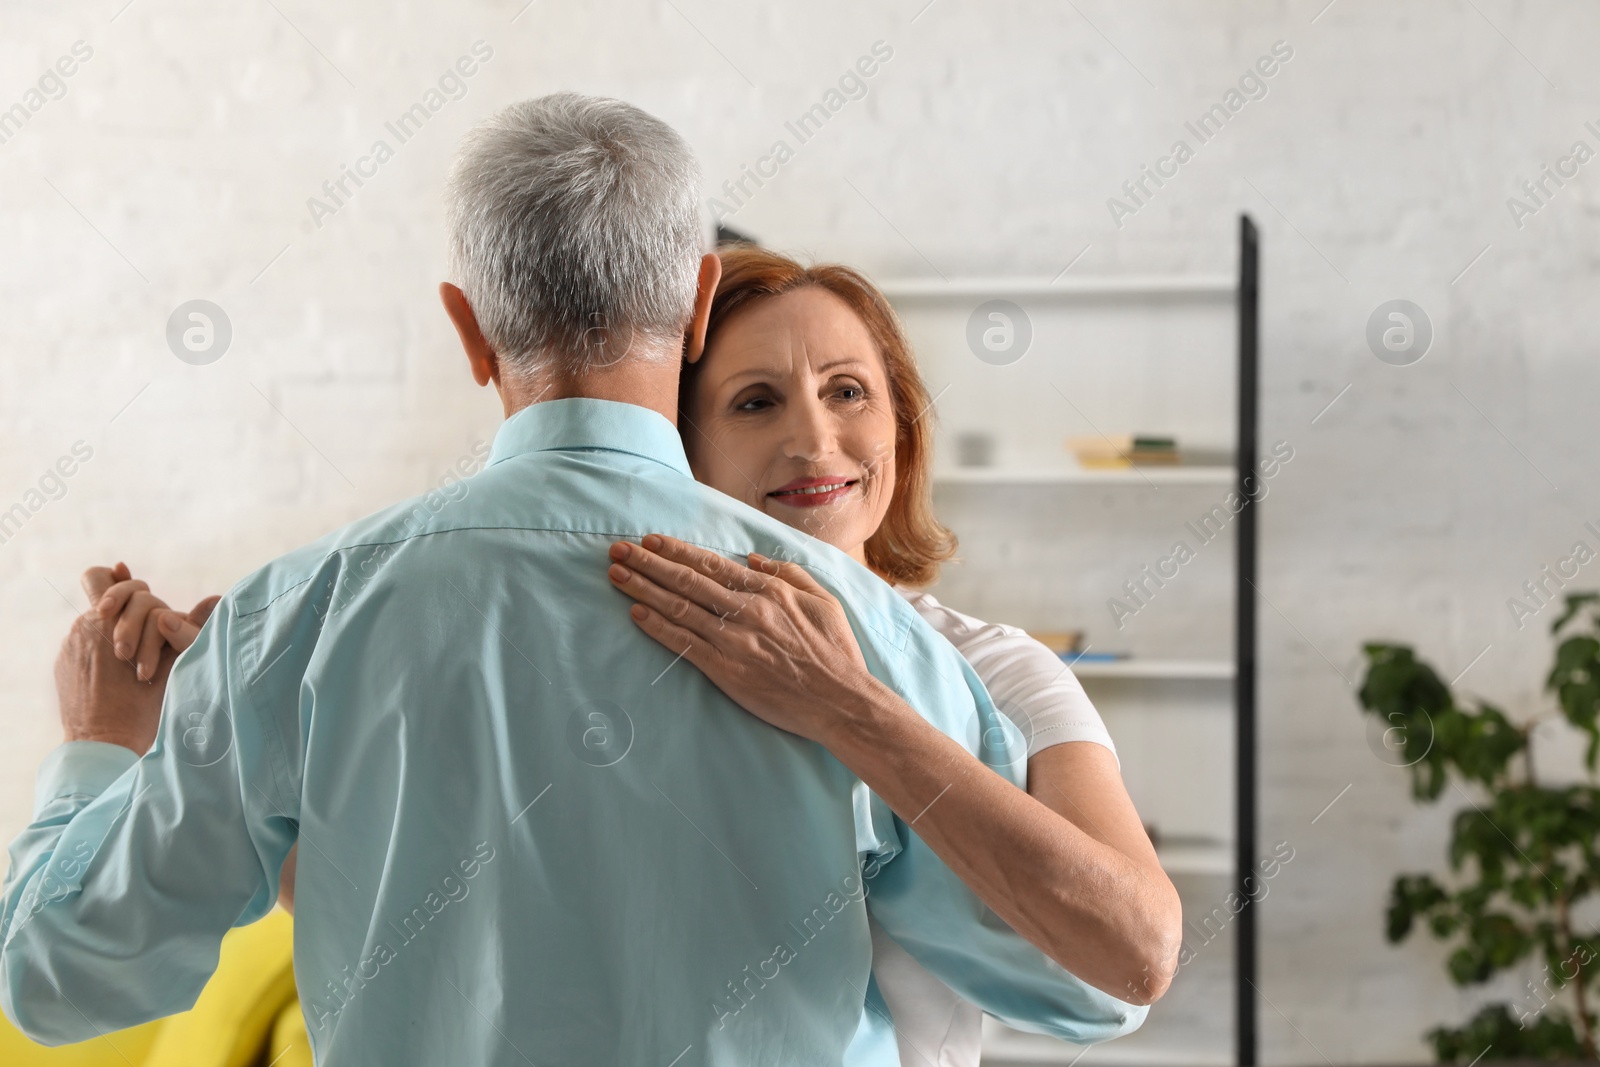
(647, 384)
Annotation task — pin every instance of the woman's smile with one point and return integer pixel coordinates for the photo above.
(814, 492)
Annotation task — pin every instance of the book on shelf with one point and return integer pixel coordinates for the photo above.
(1095, 657)
(1127, 462)
(1061, 642)
(1068, 644)
(1121, 451)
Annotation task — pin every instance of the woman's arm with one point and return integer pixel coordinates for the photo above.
(1058, 863)
(1081, 783)
(1068, 867)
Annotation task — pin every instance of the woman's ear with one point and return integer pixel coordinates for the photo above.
(695, 337)
(480, 353)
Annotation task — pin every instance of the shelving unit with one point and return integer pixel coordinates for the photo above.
(1219, 863)
(1196, 475)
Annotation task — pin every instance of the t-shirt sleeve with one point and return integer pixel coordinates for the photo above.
(1029, 684)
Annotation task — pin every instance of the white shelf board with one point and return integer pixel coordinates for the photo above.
(1112, 1054)
(1177, 669)
(1074, 285)
(1003, 1047)
(1196, 857)
(1151, 475)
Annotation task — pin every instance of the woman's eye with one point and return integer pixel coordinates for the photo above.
(755, 403)
(851, 392)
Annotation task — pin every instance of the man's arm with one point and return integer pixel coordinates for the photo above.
(119, 892)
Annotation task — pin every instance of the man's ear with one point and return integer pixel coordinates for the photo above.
(480, 353)
(695, 336)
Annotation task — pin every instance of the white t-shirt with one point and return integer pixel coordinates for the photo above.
(1033, 688)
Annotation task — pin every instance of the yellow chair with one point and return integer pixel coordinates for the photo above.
(248, 1010)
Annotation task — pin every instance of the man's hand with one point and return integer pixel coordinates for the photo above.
(101, 696)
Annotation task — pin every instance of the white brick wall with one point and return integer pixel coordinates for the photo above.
(179, 161)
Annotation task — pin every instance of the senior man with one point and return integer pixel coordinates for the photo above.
(527, 834)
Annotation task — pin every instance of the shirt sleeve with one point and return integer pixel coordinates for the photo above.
(929, 911)
(1030, 685)
(120, 890)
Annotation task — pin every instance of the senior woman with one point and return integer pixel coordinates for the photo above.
(808, 406)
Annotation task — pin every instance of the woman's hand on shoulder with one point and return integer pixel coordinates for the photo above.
(767, 634)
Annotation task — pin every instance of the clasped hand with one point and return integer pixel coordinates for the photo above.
(111, 672)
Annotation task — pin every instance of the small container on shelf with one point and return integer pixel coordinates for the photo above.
(975, 449)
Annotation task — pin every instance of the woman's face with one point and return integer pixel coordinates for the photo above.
(791, 414)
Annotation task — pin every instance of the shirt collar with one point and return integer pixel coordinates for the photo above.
(584, 422)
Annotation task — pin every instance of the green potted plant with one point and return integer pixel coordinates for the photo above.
(1523, 854)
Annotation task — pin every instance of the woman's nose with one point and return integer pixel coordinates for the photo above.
(811, 434)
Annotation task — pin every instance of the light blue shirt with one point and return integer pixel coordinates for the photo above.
(529, 833)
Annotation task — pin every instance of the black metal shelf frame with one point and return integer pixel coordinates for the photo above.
(1245, 874)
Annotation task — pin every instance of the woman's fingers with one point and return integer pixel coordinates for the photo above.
(96, 580)
(729, 574)
(199, 614)
(718, 569)
(147, 658)
(687, 581)
(129, 628)
(162, 626)
(672, 636)
(160, 630)
(180, 630)
(792, 573)
(685, 613)
(113, 600)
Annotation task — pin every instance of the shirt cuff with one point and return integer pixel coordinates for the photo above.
(80, 768)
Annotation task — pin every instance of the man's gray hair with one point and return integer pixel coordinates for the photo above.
(575, 232)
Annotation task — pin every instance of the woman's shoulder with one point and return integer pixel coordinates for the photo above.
(1007, 658)
(957, 627)
(1029, 683)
